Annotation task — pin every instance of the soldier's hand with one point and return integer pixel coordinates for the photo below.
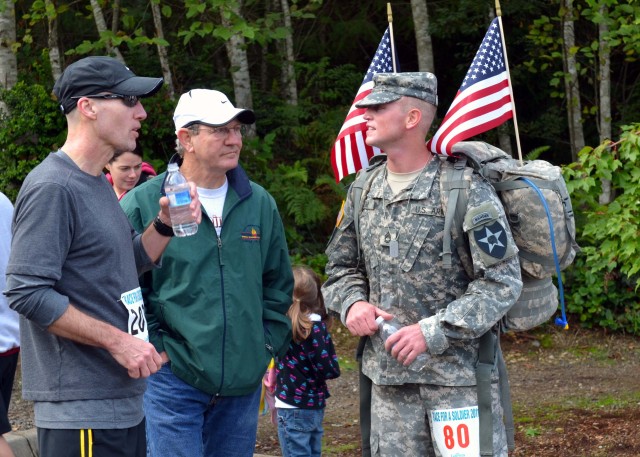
(406, 344)
(361, 319)
(139, 357)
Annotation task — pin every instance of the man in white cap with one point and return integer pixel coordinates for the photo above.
(73, 273)
(217, 307)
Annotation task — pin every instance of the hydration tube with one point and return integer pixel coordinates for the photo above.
(560, 321)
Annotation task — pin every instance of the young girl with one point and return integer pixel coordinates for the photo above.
(301, 390)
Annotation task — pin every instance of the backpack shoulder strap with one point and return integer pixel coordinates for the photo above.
(360, 187)
(484, 367)
(454, 187)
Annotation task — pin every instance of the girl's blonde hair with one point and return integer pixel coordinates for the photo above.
(307, 299)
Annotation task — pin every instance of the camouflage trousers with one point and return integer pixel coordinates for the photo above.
(433, 421)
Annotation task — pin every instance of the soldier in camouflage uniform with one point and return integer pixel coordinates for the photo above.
(399, 274)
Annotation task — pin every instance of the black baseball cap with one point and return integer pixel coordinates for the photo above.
(96, 74)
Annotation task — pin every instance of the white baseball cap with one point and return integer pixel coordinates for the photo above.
(211, 107)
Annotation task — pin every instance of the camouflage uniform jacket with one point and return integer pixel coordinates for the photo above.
(453, 310)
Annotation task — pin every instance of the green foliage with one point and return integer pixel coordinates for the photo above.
(34, 128)
(531, 432)
(261, 29)
(299, 197)
(622, 41)
(316, 262)
(157, 136)
(604, 280)
(535, 153)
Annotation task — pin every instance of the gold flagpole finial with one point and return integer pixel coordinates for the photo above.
(498, 10)
(389, 15)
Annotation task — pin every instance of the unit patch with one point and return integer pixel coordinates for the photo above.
(492, 240)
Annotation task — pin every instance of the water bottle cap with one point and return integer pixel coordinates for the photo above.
(379, 320)
(172, 167)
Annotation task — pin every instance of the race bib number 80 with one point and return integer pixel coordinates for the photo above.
(134, 303)
(457, 431)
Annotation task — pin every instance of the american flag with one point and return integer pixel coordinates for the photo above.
(483, 100)
(350, 153)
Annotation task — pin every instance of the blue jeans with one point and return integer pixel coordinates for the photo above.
(300, 432)
(183, 421)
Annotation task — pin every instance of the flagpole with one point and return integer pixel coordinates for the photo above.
(393, 47)
(506, 62)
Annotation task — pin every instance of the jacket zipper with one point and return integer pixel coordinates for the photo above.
(224, 316)
(224, 303)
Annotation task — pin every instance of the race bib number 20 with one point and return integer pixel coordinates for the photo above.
(457, 431)
(134, 303)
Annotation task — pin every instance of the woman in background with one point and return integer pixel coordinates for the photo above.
(127, 170)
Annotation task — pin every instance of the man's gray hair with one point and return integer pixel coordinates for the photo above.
(179, 148)
(194, 129)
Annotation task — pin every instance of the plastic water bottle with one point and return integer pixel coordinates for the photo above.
(178, 191)
(388, 328)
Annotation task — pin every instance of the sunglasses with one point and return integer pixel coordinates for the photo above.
(128, 100)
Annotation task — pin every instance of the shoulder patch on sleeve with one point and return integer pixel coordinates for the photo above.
(488, 237)
(480, 215)
(492, 240)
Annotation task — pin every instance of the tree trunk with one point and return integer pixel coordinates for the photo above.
(162, 50)
(504, 139)
(572, 86)
(55, 59)
(8, 60)
(236, 51)
(604, 78)
(423, 37)
(116, 16)
(101, 25)
(288, 74)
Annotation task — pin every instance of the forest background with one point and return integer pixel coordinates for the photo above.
(299, 64)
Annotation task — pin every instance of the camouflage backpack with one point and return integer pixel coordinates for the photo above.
(538, 209)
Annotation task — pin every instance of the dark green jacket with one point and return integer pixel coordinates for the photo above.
(218, 306)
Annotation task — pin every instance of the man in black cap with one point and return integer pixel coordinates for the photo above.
(73, 273)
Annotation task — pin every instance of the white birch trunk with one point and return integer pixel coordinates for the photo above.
(101, 25)
(116, 16)
(423, 37)
(240, 76)
(55, 60)
(288, 70)
(572, 86)
(162, 50)
(604, 79)
(8, 60)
